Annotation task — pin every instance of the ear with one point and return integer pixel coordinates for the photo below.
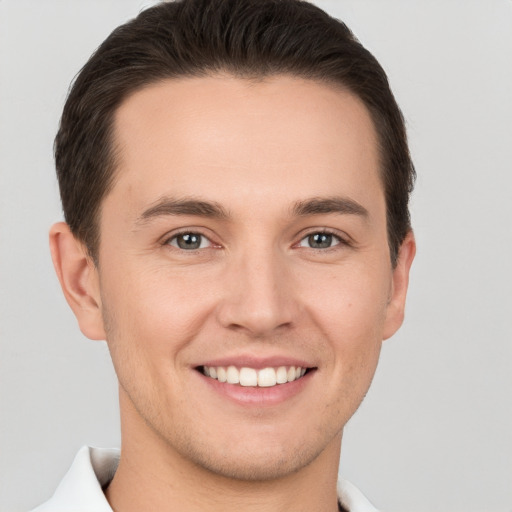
(399, 285)
(78, 277)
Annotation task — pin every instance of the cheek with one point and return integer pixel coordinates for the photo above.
(351, 313)
(351, 305)
(154, 311)
(145, 330)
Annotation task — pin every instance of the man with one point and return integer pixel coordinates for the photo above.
(235, 180)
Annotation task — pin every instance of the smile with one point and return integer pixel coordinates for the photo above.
(251, 377)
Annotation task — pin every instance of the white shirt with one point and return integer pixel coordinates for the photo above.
(93, 468)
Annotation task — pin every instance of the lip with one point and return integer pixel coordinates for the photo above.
(248, 396)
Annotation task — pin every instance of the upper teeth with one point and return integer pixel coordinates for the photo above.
(265, 377)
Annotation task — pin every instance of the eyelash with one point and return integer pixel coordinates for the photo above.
(341, 241)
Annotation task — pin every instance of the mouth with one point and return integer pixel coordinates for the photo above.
(252, 377)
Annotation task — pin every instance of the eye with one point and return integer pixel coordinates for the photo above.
(320, 240)
(189, 241)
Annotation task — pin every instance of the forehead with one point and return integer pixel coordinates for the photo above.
(282, 136)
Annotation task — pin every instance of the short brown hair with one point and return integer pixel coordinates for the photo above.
(247, 38)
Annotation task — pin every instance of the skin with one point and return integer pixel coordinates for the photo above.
(255, 287)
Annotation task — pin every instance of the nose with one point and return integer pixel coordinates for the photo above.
(258, 295)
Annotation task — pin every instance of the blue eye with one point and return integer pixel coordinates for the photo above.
(189, 241)
(320, 240)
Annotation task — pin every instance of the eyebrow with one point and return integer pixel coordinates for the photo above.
(175, 207)
(199, 208)
(327, 205)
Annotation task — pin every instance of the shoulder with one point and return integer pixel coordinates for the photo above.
(352, 499)
(81, 488)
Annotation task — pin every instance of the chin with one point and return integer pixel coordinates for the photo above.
(247, 467)
(250, 461)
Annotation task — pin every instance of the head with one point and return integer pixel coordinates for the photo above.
(235, 177)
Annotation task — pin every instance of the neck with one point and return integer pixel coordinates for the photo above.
(153, 476)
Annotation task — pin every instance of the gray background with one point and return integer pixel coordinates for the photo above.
(434, 433)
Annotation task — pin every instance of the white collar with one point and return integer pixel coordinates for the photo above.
(81, 489)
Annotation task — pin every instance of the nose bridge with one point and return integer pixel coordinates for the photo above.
(259, 295)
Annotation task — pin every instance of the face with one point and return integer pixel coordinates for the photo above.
(245, 239)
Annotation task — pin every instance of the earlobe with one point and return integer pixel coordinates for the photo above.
(400, 283)
(78, 277)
